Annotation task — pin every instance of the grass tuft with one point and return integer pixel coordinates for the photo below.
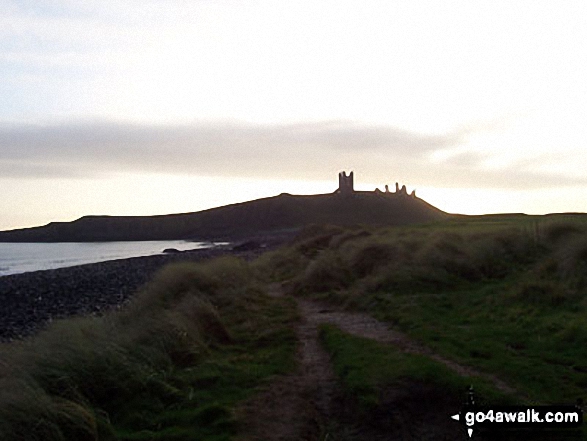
(129, 374)
(557, 231)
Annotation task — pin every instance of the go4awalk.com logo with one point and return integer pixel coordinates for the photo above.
(495, 418)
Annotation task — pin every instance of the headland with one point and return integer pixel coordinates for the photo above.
(285, 212)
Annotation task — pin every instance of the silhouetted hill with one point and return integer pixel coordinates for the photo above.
(261, 216)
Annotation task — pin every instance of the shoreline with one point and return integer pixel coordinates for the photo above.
(33, 299)
(30, 257)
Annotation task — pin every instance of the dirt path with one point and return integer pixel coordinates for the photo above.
(296, 406)
(300, 406)
(363, 325)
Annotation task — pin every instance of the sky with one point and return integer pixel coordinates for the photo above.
(128, 107)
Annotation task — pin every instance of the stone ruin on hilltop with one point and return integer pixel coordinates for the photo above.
(346, 187)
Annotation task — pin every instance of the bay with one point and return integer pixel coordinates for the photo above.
(23, 257)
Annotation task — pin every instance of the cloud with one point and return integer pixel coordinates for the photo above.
(293, 151)
(203, 148)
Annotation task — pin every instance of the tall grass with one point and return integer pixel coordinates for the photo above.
(409, 259)
(107, 378)
(433, 258)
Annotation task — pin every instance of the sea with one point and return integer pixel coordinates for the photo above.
(18, 258)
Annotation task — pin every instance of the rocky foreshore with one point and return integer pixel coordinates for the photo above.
(30, 300)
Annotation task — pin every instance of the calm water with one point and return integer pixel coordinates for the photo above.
(22, 257)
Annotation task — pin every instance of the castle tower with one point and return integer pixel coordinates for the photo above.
(345, 183)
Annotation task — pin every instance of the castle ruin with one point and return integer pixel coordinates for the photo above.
(345, 183)
(346, 187)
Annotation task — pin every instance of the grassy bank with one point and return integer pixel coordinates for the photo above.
(507, 295)
(170, 365)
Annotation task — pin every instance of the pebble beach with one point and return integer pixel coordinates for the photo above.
(29, 301)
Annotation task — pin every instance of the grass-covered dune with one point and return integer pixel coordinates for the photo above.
(504, 294)
(170, 365)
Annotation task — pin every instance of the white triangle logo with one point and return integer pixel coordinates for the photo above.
(455, 417)
(470, 432)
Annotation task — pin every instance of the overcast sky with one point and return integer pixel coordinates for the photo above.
(152, 107)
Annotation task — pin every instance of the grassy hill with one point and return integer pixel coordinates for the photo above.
(261, 216)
